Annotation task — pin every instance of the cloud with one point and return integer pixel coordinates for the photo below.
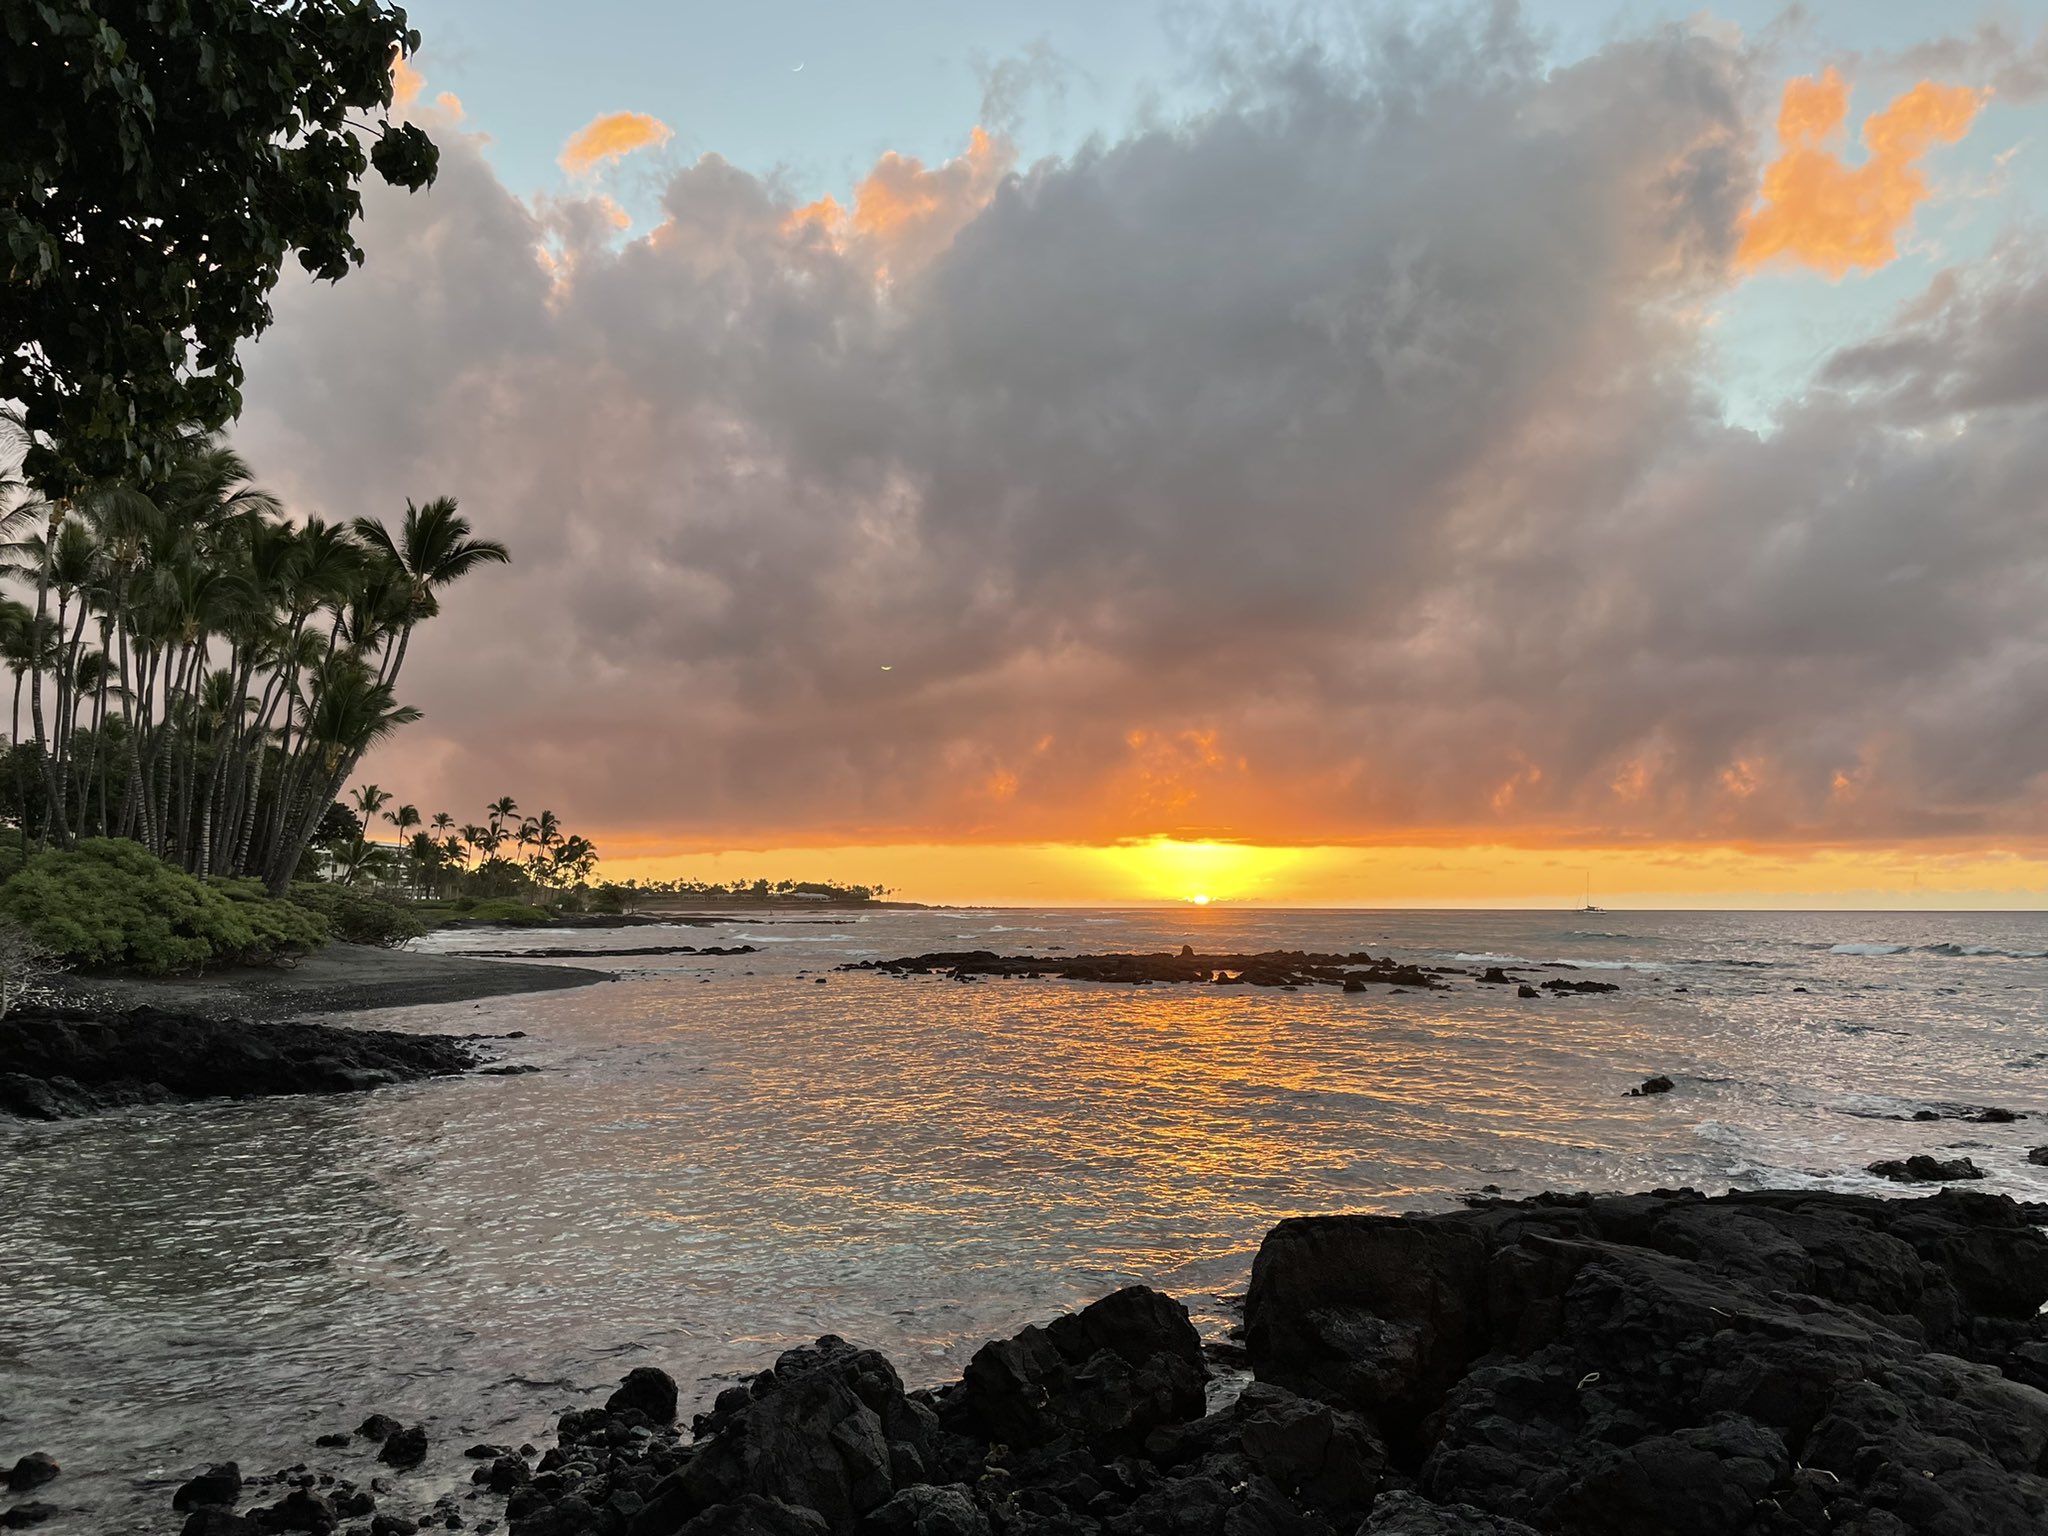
(608, 139)
(1333, 463)
(903, 215)
(2016, 71)
(1819, 210)
(406, 81)
(409, 83)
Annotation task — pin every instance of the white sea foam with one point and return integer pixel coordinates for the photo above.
(1869, 949)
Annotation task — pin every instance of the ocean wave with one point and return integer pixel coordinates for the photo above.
(1948, 948)
(1482, 957)
(1990, 951)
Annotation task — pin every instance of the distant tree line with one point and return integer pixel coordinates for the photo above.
(505, 855)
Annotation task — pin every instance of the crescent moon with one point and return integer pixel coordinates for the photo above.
(798, 70)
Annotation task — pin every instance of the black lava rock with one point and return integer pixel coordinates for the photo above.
(1777, 1363)
(648, 1392)
(32, 1471)
(64, 1062)
(405, 1448)
(1922, 1169)
(220, 1484)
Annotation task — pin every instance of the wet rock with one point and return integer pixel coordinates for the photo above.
(1922, 1169)
(815, 1431)
(349, 1502)
(503, 1475)
(378, 1426)
(392, 1525)
(2038, 1156)
(1108, 1375)
(1559, 984)
(1525, 990)
(405, 1448)
(1647, 1364)
(69, 1061)
(925, 1510)
(648, 1392)
(32, 1471)
(1408, 1514)
(1267, 968)
(213, 1520)
(300, 1510)
(571, 1515)
(219, 1484)
(1495, 976)
(1324, 1455)
(331, 1442)
(21, 1516)
(1649, 1086)
(752, 1515)
(1973, 1114)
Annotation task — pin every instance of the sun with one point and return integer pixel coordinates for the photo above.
(1199, 899)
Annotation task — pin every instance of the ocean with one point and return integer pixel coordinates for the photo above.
(723, 1157)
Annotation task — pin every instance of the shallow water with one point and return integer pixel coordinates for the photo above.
(724, 1157)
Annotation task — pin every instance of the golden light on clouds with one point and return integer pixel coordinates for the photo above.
(905, 212)
(608, 139)
(408, 84)
(1820, 211)
(406, 81)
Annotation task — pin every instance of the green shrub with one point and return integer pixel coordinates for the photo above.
(500, 910)
(355, 917)
(109, 902)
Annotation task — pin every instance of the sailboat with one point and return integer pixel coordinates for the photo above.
(1589, 907)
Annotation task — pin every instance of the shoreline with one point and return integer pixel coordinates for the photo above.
(1780, 1363)
(341, 978)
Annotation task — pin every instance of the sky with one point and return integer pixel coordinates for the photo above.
(1340, 454)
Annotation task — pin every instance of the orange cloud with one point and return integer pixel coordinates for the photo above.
(1819, 210)
(409, 83)
(406, 81)
(610, 138)
(904, 212)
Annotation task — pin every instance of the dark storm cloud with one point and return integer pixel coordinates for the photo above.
(1332, 464)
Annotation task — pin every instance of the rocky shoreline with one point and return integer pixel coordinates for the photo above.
(1781, 1363)
(59, 1062)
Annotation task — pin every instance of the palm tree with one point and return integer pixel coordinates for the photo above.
(198, 668)
(368, 800)
(405, 818)
(433, 548)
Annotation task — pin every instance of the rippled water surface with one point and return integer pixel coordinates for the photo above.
(725, 1156)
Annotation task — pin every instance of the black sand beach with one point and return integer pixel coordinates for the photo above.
(342, 978)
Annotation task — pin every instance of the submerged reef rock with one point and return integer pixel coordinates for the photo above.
(1769, 1364)
(1269, 968)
